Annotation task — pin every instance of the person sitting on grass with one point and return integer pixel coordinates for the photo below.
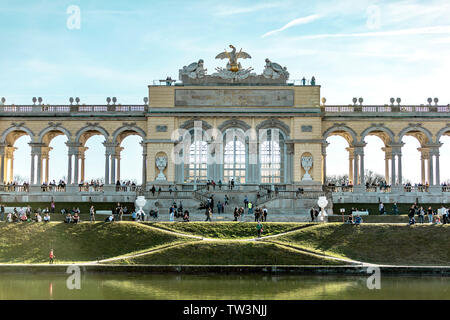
(68, 218)
(47, 218)
(76, 218)
(349, 220)
(110, 218)
(133, 215)
(358, 219)
(9, 217)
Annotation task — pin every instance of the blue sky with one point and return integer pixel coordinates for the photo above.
(370, 49)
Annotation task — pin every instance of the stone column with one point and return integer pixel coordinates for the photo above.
(32, 169)
(11, 169)
(2, 165)
(144, 168)
(350, 165)
(82, 167)
(362, 175)
(400, 180)
(47, 169)
(422, 161)
(393, 174)
(356, 170)
(324, 162)
(76, 179)
(438, 174)
(106, 168)
(69, 169)
(113, 169)
(430, 169)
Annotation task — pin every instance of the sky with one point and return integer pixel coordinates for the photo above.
(370, 49)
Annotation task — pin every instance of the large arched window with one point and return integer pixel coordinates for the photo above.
(234, 161)
(270, 157)
(198, 161)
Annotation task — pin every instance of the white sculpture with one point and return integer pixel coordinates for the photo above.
(161, 163)
(322, 203)
(194, 70)
(273, 70)
(307, 163)
(140, 203)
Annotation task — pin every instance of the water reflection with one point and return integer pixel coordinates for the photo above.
(229, 287)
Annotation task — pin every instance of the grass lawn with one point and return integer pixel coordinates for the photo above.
(31, 242)
(229, 253)
(378, 243)
(228, 230)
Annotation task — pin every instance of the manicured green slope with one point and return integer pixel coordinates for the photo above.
(229, 253)
(378, 243)
(229, 230)
(31, 242)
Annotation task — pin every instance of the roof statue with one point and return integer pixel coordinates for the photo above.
(273, 70)
(194, 70)
(195, 73)
(233, 64)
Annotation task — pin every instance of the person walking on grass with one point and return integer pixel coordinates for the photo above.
(259, 229)
(208, 214)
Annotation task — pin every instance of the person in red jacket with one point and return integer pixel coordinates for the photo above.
(52, 256)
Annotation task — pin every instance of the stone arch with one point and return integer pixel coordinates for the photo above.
(20, 129)
(382, 132)
(234, 123)
(189, 124)
(275, 123)
(126, 130)
(420, 133)
(88, 131)
(442, 132)
(56, 129)
(341, 130)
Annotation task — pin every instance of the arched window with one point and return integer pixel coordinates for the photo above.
(270, 158)
(234, 161)
(198, 161)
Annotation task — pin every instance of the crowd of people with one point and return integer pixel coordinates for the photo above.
(53, 186)
(432, 215)
(14, 186)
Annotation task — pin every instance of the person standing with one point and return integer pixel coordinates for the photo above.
(265, 214)
(172, 213)
(311, 213)
(51, 256)
(236, 214)
(92, 213)
(208, 214)
(421, 215)
(2, 212)
(52, 207)
(430, 215)
(219, 207)
(250, 208)
(381, 208)
(411, 214)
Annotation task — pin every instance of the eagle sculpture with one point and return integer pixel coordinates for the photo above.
(233, 64)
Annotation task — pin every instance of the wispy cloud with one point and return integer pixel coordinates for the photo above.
(389, 33)
(296, 22)
(227, 10)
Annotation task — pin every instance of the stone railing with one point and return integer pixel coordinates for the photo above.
(15, 188)
(46, 109)
(416, 188)
(385, 109)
